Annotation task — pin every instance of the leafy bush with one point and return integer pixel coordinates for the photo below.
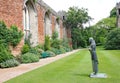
(9, 63)
(15, 35)
(113, 40)
(29, 58)
(8, 36)
(50, 53)
(4, 53)
(25, 49)
(56, 43)
(36, 51)
(47, 43)
(62, 49)
(58, 51)
(55, 35)
(40, 46)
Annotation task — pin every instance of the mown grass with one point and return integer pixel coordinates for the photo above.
(75, 68)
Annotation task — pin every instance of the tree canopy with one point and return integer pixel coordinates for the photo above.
(113, 12)
(77, 17)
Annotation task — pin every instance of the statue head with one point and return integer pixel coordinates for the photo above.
(91, 39)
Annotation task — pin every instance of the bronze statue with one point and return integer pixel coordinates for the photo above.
(92, 50)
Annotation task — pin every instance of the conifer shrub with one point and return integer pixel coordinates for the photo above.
(25, 49)
(47, 43)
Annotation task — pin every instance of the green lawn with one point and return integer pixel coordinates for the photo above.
(75, 69)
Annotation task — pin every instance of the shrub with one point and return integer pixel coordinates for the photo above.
(15, 35)
(50, 53)
(62, 50)
(4, 53)
(44, 55)
(47, 43)
(8, 36)
(40, 46)
(9, 63)
(113, 40)
(55, 35)
(56, 51)
(29, 58)
(36, 51)
(25, 49)
(56, 43)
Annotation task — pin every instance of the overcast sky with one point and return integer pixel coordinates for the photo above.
(97, 9)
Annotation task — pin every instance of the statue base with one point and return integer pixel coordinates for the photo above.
(98, 75)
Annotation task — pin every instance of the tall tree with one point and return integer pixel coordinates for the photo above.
(75, 19)
(113, 12)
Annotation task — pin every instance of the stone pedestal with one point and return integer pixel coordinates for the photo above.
(98, 75)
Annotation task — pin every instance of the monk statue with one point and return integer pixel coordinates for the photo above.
(94, 59)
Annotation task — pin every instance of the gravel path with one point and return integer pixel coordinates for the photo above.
(8, 73)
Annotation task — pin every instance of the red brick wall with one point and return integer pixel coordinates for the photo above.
(61, 29)
(41, 33)
(11, 13)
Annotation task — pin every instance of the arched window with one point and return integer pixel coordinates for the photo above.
(30, 22)
(57, 27)
(48, 30)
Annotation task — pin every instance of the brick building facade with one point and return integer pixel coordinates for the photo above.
(35, 18)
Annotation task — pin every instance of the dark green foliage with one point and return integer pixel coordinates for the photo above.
(40, 46)
(113, 40)
(76, 16)
(78, 38)
(4, 53)
(36, 51)
(27, 40)
(113, 12)
(55, 42)
(55, 35)
(62, 49)
(9, 63)
(15, 35)
(50, 53)
(29, 58)
(10, 36)
(75, 19)
(25, 49)
(55, 50)
(47, 43)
